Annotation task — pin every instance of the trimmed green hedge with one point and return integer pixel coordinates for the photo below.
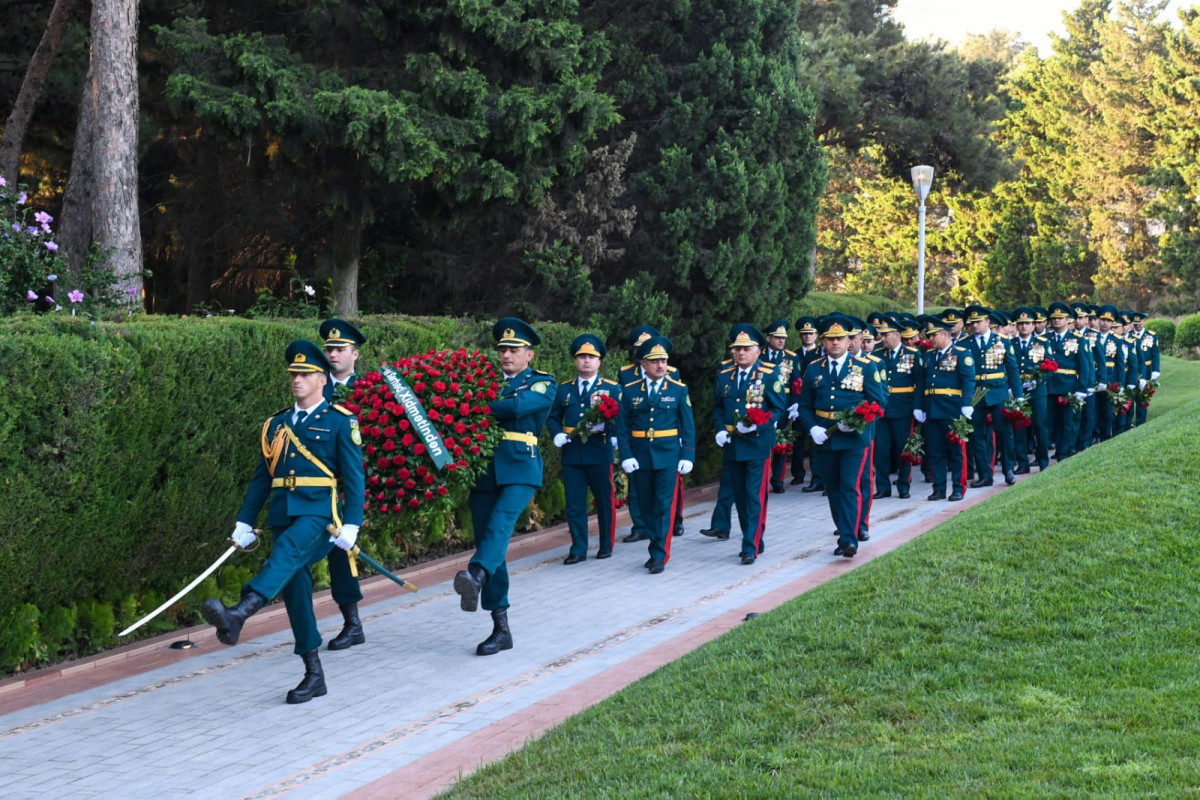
(1165, 329)
(1188, 332)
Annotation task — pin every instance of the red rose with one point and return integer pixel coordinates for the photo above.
(428, 494)
(442, 490)
(419, 449)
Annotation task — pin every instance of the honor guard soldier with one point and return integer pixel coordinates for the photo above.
(949, 386)
(860, 334)
(749, 383)
(1147, 357)
(1030, 350)
(657, 440)
(1111, 349)
(808, 352)
(997, 374)
(306, 450)
(586, 464)
(904, 369)
(1133, 369)
(1069, 351)
(787, 367)
(342, 343)
(831, 384)
(512, 477)
(1088, 415)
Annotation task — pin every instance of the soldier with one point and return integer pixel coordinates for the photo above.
(1147, 357)
(1040, 320)
(586, 465)
(860, 333)
(954, 318)
(904, 368)
(840, 453)
(722, 513)
(1072, 377)
(658, 444)
(748, 383)
(1132, 370)
(997, 373)
(1030, 351)
(512, 477)
(787, 367)
(1088, 416)
(306, 450)
(810, 351)
(949, 385)
(1110, 348)
(342, 343)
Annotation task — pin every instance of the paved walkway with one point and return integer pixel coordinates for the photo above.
(414, 708)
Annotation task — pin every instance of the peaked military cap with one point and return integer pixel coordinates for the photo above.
(974, 313)
(1108, 312)
(998, 317)
(1060, 311)
(655, 348)
(1040, 314)
(777, 328)
(885, 323)
(339, 333)
(1081, 309)
(857, 326)
(588, 344)
(834, 326)
(1138, 316)
(951, 315)
(932, 324)
(1024, 314)
(640, 334)
(514, 332)
(744, 334)
(806, 325)
(305, 356)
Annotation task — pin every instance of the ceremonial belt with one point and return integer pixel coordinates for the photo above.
(292, 481)
(527, 438)
(651, 433)
(1110, 363)
(567, 430)
(1148, 361)
(990, 376)
(951, 392)
(826, 414)
(1064, 372)
(901, 389)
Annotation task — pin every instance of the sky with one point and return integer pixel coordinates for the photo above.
(952, 20)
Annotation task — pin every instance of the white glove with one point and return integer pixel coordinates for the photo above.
(1100, 387)
(918, 415)
(1090, 392)
(819, 435)
(685, 466)
(243, 535)
(844, 428)
(598, 427)
(1142, 383)
(968, 411)
(723, 438)
(613, 441)
(744, 428)
(347, 535)
(561, 439)
(630, 465)
(1154, 375)
(1081, 396)
(1029, 386)
(793, 411)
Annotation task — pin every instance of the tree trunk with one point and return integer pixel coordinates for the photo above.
(345, 253)
(75, 232)
(31, 90)
(115, 216)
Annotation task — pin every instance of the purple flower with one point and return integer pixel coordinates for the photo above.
(31, 295)
(2, 181)
(32, 231)
(43, 218)
(49, 299)
(17, 227)
(131, 291)
(21, 198)
(75, 296)
(51, 246)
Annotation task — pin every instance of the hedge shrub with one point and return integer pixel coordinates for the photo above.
(1187, 334)
(1165, 329)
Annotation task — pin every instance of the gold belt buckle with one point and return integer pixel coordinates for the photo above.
(289, 483)
(650, 434)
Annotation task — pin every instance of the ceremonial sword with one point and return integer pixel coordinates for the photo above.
(372, 562)
(224, 557)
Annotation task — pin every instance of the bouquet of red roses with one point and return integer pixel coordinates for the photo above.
(450, 390)
(1119, 399)
(1017, 411)
(1070, 400)
(797, 385)
(858, 417)
(604, 410)
(1144, 394)
(1048, 367)
(960, 431)
(914, 449)
(754, 416)
(784, 439)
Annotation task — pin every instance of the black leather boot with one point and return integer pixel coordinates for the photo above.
(468, 583)
(313, 683)
(229, 621)
(501, 638)
(352, 632)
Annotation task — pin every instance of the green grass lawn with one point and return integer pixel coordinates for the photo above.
(1043, 644)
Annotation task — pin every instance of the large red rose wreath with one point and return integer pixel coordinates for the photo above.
(407, 495)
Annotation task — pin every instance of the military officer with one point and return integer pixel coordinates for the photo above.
(1110, 348)
(512, 478)
(1030, 351)
(657, 440)
(306, 450)
(840, 454)
(1089, 413)
(1041, 319)
(1132, 369)
(904, 372)
(954, 317)
(722, 513)
(586, 465)
(749, 383)
(787, 367)
(1147, 357)
(342, 343)
(1069, 351)
(808, 352)
(860, 333)
(949, 386)
(997, 374)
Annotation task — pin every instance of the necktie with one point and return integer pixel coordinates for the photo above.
(741, 380)
(301, 416)
(833, 369)
(979, 342)
(653, 390)
(587, 388)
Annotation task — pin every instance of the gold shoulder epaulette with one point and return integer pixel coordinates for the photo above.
(676, 381)
(672, 370)
(726, 371)
(632, 383)
(343, 409)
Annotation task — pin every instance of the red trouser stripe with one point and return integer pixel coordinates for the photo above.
(762, 505)
(995, 447)
(962, 481)
(858, 512)
(675, 496)
(611, 533)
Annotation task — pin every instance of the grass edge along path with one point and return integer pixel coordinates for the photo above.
(1041, 644)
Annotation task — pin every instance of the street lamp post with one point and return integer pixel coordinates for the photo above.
(922, 178)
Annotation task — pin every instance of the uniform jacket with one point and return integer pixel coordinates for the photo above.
(670, 411)
(1075, 365)
(766, 388)
(949, 382)
(1099, 365)
(566, 412)
(1146, 354)
(822, 397)
(905, 371)
(995, 368)
(1030, 358)
(1112, 351)
(521, 409)
(333, 444)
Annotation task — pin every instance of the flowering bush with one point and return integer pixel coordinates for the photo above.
(29, 260)
(407, 495)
